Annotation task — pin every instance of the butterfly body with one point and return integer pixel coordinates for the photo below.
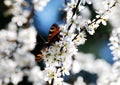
(52, 37)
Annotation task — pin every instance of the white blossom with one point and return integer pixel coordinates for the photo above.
(28, 41)
(16, 77)
(7, 42)
(112, 77)
(40, 4)
(36, 75)
(115, 43)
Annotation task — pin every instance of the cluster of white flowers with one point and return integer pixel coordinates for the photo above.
(40, 4)
(7, 44)
(20, 9)
(87, 62)
(19, 15)
(80, 22)
(110, 77)
(107, 74)
(115, 43)
(16, 61)
(15, 56)
(16, 42)
(115, 35)
(58, 56)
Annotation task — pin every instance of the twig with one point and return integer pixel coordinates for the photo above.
(74, 11)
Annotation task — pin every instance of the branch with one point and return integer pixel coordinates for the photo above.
(74, 11)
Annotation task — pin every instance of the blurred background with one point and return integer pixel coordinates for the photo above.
(53, 13)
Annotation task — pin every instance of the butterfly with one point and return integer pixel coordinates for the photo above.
(54, 35)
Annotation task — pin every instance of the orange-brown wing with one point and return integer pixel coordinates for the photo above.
(52, 37)
(54, 31)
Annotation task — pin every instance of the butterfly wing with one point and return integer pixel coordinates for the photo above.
(53, 33)
(52, 37)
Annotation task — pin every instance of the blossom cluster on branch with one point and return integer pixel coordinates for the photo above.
(115, 43)
(62, 57)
